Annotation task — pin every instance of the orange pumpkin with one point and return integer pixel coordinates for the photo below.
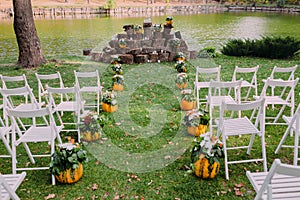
(187, 105)
(109, 108)
(118, 87)
(198, 130)
(70, 175)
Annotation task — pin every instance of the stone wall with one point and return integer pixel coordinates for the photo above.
(150, 43)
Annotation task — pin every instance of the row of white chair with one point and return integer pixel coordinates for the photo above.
(227, 96)
(248, 74)
(42, 126)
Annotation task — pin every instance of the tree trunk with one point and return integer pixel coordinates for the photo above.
(30, 51)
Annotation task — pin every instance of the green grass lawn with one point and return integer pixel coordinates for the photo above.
(145, 153)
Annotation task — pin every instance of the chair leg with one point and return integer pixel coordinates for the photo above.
(250, 144)
(283, 138)
(280, 113)
(264, 154)
(296, 146)
(225, 156)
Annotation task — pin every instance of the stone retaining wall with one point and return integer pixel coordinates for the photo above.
(151, 45)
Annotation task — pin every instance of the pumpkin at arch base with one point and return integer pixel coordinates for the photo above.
(70, 175)
(197, 130)
(206, 168)
(187, 105)
(109, 108)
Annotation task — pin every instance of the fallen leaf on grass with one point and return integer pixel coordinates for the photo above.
(239, 185)
(238, 193)
(150, 182)
(50, 196)
(94, 187)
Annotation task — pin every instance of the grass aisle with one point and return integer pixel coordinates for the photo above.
(146, 150)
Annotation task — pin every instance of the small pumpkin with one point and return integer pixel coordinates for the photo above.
(70, 175)
(187, 105)
(109, 108)
(118, 87)
(198, 130)
(205, 169)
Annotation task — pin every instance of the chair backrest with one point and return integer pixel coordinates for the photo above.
(208, 74)
(284, 92)
(44, 80)
(224, 87)
(9, 183)
(72, 93)
(10, 102)
(245, 70)
(277, 168)
(289, 72)
(87, 79)
(13, 81)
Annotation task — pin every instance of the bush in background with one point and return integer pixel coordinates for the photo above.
(267, 47)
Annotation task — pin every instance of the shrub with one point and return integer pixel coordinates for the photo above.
(267, 47)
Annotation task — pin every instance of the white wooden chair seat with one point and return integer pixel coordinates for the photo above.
(69, 106)
(29, 106)
(275, 100)
(281, 182)
(9, 183)
(217, 100)
(247, 84)
(239, 126)
(37, 134)
(90, 89)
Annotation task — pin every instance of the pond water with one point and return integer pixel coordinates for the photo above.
(70, 36)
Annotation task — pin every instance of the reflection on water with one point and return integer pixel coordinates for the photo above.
(251, 27)
(71, 36)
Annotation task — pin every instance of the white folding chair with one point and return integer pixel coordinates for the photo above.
(249, 77)
(44, 80)
(240, 126)
(293, 125)
(9, 183)
(202, 80)
(73, 105)
(214, 99)
(278, 97)
(89, 82)
(282, 73)
(47, 133)
(281, 182)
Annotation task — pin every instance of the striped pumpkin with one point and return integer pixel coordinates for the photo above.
(70, 175)
(203, 167)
